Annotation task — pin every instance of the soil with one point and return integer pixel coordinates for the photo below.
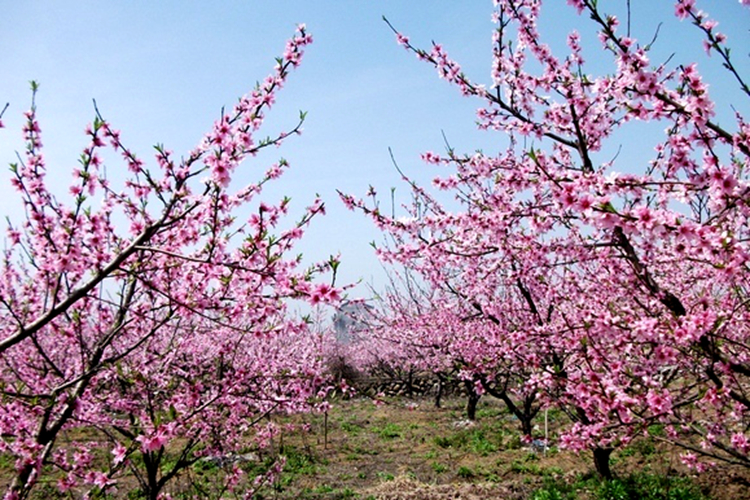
(408, 449)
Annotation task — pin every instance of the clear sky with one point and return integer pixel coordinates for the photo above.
(161, 71)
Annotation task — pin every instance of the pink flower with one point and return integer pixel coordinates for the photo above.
(690, 460)
(66, 483)
(659, 403)
(119, 453)
(645, 215)
(683, 8)
(740, 442)
(578, 4)
(324, 293)
(152, 443)
(98, 478)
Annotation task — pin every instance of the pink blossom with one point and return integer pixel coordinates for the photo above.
(153, 442)
(683, 8)
(740, 442)
(119, 452)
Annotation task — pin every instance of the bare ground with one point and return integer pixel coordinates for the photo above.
(408, 449)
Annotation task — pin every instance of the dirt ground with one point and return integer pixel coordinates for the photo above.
(408, 449)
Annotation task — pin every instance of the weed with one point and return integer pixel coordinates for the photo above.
(351, 428)
(514, 443)
(474, 440)
(656, 430)
(443, 442)
(488, 413)
(640, 486)
(385, 476)
(300, 463)
(553, 471)
(438, 467)
(478, 443)
(627, 452)
(365, 451)
(6, 461)
(524, 467)
(644, 447)
(555, 490)
(465, 472)
(388, 431)
(649, 487)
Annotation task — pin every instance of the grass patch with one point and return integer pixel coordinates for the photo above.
(638, 486)
(438, 467)
(385, 476)
(351, 428)
(465, 472)
(388, 431)
(475, 440)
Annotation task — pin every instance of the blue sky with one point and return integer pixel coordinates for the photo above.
(161, 72)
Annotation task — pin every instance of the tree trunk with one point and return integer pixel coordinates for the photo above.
(151, 462)
(439, 395)
(471, 404)
(601, 462)
(526, 416)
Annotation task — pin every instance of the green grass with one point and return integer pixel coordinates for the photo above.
(489, 413)
(480, 444)
(465, 472)
(385, 476)
(388, 431)
(639, 486)
(438, 467)
(351, 428)
(476, 440)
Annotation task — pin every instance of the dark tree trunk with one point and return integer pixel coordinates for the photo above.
(601, 462)
(525, 416)
(439, 395)
(471, 404)
(151, 462)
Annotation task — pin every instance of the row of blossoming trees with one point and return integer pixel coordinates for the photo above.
(615, 292)
(152, 309)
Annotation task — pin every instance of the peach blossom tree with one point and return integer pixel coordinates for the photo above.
(152, 309)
